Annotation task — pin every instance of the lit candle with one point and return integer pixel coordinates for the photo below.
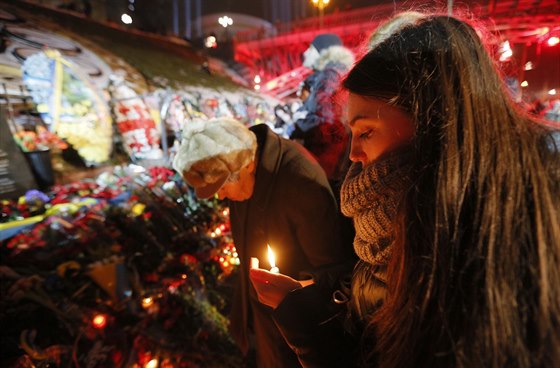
(272, 261)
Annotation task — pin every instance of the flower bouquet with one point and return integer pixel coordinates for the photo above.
(37, 146)
(126, 270)
(39, 140)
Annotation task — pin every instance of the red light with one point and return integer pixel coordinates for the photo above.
(99, 321)
(553, 41)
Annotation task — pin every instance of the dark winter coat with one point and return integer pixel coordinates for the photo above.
(323, 322)
(294, 210)
(318, 121)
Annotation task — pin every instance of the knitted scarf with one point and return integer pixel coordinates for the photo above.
(371, 196)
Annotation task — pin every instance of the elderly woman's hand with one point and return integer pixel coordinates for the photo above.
(272, 287)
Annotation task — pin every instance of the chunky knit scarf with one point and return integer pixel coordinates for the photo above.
(371, 195)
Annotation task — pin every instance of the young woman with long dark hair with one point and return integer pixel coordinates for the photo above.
(455, 196)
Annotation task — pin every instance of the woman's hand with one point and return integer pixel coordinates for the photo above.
(272, 287)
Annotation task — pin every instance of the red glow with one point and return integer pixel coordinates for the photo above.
(99, 321)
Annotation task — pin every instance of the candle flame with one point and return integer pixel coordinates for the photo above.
(147, 302)
(271, 258)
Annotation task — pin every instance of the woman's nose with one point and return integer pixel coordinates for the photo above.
(356, 153)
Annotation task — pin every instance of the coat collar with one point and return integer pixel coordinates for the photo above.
(269, 160)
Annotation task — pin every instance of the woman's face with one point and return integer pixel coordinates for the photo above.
(376, 128)
(240, 187)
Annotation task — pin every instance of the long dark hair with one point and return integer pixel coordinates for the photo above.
(474, 280)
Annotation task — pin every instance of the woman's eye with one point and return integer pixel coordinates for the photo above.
(366, 134)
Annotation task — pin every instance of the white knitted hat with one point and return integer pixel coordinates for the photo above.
(211, 151)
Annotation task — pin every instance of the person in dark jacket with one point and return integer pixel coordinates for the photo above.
(279, 196)
(317, 123)
(455, 195)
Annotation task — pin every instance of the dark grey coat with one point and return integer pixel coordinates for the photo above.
(294, 210)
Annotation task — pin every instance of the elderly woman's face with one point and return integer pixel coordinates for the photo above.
(376, 128)
(239, 187)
